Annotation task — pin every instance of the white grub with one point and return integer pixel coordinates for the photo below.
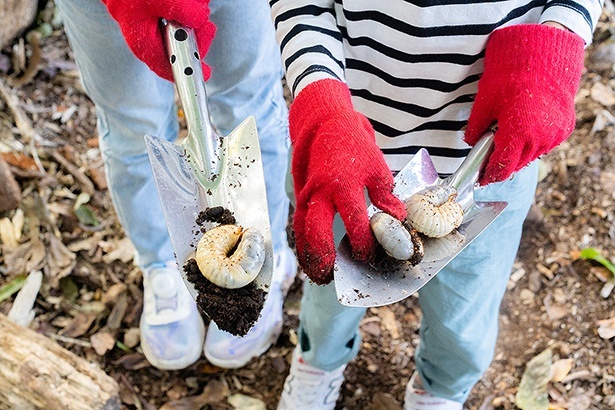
(391, 234)
(437, 249)
(434, 211)
(230, 256)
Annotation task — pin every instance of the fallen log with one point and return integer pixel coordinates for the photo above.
(37, 373)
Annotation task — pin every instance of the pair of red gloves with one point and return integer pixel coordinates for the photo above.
(531, 76)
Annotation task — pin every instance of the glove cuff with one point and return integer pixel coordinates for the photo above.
(529, 49)
(315, 104)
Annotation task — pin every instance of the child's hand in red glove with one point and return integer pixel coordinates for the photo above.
(335, 158)
(139, 21)
(531, 76)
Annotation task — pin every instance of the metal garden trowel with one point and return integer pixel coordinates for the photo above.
(207, 169)
(369, 285)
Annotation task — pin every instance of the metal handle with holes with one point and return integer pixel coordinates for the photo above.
(202, 143)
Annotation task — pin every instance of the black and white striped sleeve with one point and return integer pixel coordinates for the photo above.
(580, 16)
(310, 41)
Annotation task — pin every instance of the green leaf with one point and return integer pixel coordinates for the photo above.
(595, 255)
(86, 216)
(532, 392)
(69, 289)
(12, 287)
(123, 347)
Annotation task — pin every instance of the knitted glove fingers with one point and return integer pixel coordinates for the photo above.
(531, 76)
(139, 22)
(356, 222)
(314, 240)
(380, 191)
(335, 159)
(482, 117)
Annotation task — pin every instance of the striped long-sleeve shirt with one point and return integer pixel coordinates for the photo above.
(412, 65)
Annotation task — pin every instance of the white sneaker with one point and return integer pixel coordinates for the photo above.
(309, 388)
(172, 330)
(419, 399)
(226, 350)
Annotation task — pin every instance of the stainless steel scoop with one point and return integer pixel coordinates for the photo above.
(369, 285)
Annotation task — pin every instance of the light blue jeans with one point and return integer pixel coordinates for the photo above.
(460, 304)
(132, 101)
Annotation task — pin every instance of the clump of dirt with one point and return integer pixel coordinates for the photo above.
(234, 310)
(385, 263)
(216, 214)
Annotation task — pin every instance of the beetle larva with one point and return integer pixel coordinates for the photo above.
(397, 240)
(434, 211)
(230, 256)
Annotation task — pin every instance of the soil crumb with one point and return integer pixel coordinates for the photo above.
(234, 310)
(385, 263)
(216, 214)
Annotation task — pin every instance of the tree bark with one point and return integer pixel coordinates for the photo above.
(37, 373)
(15, 16)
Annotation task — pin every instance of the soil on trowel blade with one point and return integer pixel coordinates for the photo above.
(234, 310)
(217, 214)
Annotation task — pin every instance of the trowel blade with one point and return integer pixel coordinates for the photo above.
(370, 285)
(240, 188)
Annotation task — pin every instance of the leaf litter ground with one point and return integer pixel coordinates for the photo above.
(91, 297)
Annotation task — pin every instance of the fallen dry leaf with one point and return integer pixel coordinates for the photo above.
(389, 322)
(102, 342)
(79, 325)
(213, 392)
(554, 310)
(123, 250)
(132, 361)
(60, 260)
(7, 234)
(532, 393)
(243, 402)
(603, 94)
(26, 257)
(132, 337)
(20, 160)
(606, 329)
(560, 369)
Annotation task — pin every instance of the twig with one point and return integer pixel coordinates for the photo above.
(23, 124)
(34, 39)
(74, 341)
(88, 185)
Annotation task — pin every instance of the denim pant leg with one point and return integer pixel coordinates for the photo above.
(131, 101)
(328, 331)
(461, 304)
(247, 80)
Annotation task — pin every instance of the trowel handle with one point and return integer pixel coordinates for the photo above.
(202, 142)
(466, 176)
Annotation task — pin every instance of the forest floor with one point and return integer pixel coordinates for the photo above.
(91, 300)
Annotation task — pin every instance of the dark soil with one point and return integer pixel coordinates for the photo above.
(216, 214)
(234, 310)
(554, 299)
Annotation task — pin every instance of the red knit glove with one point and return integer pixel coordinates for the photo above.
(531, 76)
(335, 157)
(139, 21)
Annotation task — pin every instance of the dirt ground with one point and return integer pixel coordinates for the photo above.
(91, 293)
